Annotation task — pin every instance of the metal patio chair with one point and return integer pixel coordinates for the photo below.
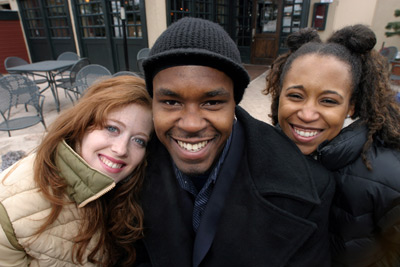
(68, 56)
(125, 72)
(18, 89)
(10, 62)
(89, 75)
(389, 53)
(67, 82)
(141, 56)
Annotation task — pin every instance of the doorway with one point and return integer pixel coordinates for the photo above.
(47, 28)
(273, 21)
(266, 30)
(100, 32)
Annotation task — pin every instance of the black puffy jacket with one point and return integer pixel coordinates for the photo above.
(365, 216)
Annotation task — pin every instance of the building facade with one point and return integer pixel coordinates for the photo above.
(111, 32)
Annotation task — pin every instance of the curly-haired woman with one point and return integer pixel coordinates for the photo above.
(75, 200)
(314, 88)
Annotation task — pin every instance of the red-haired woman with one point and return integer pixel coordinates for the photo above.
(75, 201)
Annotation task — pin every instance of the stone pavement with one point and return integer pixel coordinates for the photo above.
(27, 139)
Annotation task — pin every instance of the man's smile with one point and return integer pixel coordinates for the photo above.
(192, 147)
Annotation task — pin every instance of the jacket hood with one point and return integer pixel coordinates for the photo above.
(85, 184)
(344, 148)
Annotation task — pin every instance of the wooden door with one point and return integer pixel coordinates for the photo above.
(265, 31)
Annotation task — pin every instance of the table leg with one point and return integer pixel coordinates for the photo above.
(53, 89)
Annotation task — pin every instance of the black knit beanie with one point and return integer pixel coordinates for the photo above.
(194, 41)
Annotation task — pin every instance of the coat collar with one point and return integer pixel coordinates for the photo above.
(85, 184)
(345, 147)
(277, 166)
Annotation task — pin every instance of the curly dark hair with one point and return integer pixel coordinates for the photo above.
(374, 100)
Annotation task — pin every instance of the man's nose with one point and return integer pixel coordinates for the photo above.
(192, 120)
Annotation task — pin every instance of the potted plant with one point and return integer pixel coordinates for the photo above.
(393, 27)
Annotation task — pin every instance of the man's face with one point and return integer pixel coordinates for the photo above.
(193, 108)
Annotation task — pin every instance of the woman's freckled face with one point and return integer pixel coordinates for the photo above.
(118, 148)
(315, 100)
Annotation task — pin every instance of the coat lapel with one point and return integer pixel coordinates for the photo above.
(168, 214)
(210, 218)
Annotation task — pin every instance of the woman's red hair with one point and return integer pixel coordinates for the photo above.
(116, 218)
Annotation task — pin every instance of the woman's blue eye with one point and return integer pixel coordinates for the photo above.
(141, 142)
(111, 128)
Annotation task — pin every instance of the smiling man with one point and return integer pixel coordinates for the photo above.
(223, 189)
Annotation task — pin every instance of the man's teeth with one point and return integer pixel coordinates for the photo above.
(306, 133)
(110, 163)
(192, 147)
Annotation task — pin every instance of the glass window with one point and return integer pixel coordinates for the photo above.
(33, 18)
(242, 23)
(91, 16)
(133, 20)
(267, 16)
(179, 9)
(57, 18)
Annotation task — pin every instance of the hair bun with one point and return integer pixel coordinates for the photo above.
(357, 38)
(304, 35)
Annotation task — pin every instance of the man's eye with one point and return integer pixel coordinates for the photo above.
(212, 103)
(171, 102)
(140, 141)
(111, 129)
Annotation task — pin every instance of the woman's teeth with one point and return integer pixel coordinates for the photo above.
(306, 133)
(192, 147)
(110, 163)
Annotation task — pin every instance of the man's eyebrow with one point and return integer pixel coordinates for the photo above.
(165, 92)
(217, 92)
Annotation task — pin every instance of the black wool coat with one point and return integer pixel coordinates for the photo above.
(274, 211)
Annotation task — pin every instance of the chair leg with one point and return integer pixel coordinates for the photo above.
(70, 97)
(44, 124)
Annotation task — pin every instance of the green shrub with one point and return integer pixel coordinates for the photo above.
(394, 27)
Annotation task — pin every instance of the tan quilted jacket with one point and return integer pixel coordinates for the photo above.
(23, 209)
